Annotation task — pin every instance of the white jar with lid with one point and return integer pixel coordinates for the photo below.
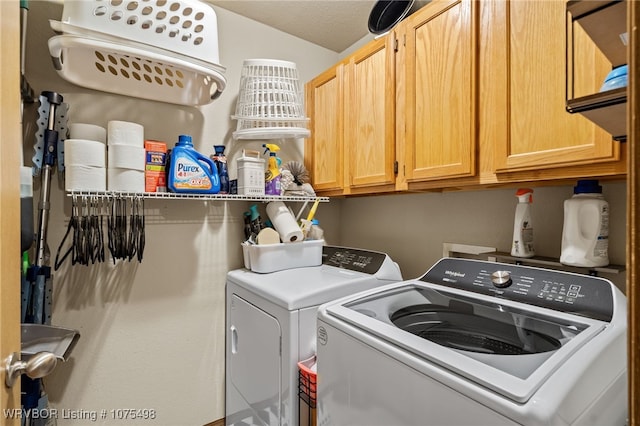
(585, 233)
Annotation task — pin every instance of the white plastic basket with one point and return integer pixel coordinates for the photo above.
(160, 50)
(131, 71)
(270, 129)
(186, 27)
(266, 258)
(270, 102)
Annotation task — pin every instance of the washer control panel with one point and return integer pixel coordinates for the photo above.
(563, 291)
(359, 260)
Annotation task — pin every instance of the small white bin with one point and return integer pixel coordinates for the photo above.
(265, 258)
(250, 173)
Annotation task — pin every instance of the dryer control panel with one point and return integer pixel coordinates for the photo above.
(359, 260)
(563, 291)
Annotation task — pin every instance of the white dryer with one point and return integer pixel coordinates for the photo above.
(475, 343)
(271, 325)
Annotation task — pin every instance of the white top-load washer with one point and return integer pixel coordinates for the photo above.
(271, 326)
(475, 343)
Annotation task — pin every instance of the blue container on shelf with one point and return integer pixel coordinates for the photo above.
(191, 171)
(615, 79)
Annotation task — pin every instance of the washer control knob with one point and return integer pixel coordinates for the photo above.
(501, 279)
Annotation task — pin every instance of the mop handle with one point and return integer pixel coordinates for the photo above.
(51, 142)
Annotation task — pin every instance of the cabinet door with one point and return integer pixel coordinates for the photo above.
(439, 80)
(540, 133)
(370, 115)
(324, 154)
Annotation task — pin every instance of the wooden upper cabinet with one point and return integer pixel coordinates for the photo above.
(526, 62)
(437, 69)
(352, 120)
(324, 152)
(462, 93)
(370, 115)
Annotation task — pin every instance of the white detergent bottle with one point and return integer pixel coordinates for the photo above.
(522, 225)
(585, 233)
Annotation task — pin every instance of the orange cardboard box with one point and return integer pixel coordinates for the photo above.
(156, 155)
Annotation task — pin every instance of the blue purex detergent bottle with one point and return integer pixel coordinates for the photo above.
(190, 171)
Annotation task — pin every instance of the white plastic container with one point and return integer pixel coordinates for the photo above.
(522, 245)
(265, 258)
(250, 173)
(585, 234)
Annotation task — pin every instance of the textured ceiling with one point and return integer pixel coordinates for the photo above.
(333, 24)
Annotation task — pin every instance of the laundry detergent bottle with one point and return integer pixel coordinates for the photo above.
(272, 176)
(585, 232)
(191, 171)
(523, 226)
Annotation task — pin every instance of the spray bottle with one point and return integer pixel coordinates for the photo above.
(523, 227)
(272, 176)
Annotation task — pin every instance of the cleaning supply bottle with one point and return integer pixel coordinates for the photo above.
(221, 162)
(522, 225)
(190, 171)
(247, 225)
(255, 221)
(585, 232)
(272, 176)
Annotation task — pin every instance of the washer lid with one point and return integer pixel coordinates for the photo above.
(505, 346)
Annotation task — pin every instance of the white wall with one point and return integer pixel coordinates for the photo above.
(152, 334)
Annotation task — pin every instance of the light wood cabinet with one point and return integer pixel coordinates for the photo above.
(527, 63)
(352, 112)
(476, 94)
(437, 69)
(324, 150)
(370, 117)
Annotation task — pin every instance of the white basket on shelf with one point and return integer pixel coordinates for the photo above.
(270, 101)
(162, 50)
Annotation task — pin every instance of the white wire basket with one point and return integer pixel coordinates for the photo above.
(270, 102)
(159, 50)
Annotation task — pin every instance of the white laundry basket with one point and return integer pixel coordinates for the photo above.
(186, 27)
(161, 50)
(270, 103)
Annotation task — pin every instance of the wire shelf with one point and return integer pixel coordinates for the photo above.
(201, 197)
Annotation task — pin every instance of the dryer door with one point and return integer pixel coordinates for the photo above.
(254, 361)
